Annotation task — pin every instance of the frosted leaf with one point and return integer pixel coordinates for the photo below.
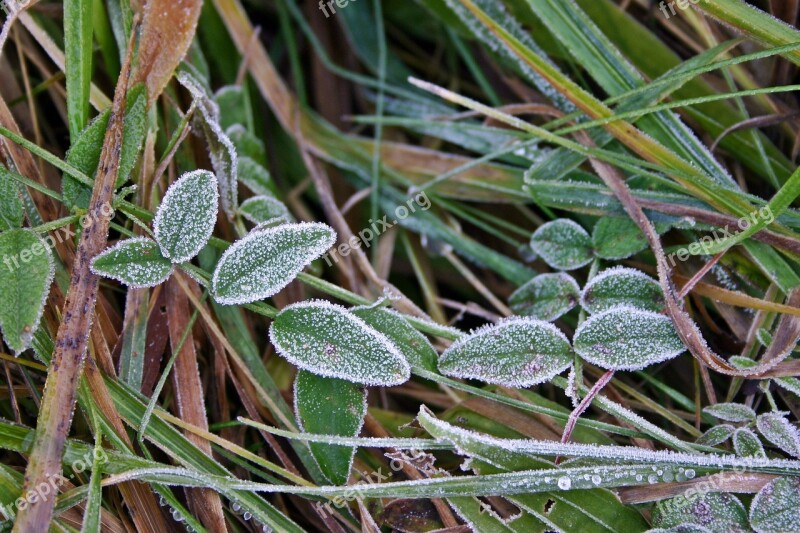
(264, 262)
(622, 286)
(776, 507)
(255, 177)
(780, 432)
(330, 406)
(260, 209)
(135, 262)
(328, 340)
(25, 278)
(546, 297)
(232, 101)
(731, 412)
(517, 352)
(617, 238)
(764, 337)
(625, 338)
(12, 214)
(186, 217)
(220, 148)
(247, 145)
(746, 444)
(84, 153)
(716, 511)
(562, 244)
(682, 528)
(411, 343)
(716, 435)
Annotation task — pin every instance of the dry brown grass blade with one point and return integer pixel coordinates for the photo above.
(58, 401)
(168, 28)
(724, 482)
(188, 388)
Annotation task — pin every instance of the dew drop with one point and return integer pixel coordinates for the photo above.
(652, 479)
(596, 479)
(564, 483)
(690, 473)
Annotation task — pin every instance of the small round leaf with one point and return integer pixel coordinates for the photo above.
(776, 507)
(260, 209)
(187, 214)
(625, 338)
(517, 352)
(135, 262)
(780, 432)
(731, 412)
(546, 297)
(563, 244)
(622, 286)
(746, 444)
(266, 261)
(328, 340)
(719, 512)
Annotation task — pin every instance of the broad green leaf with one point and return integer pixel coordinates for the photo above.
(716, 435)
(232, 101)
(220, 148)
(562, 244)
(328, 340)
(546, 297)
(186, 217)
(135, 262)
(776, 507)
(717, 511)
(625, 338)
(617, 238)
(411, 343)
(260, 209)
(780, 432)
(731, 412)
(249, 146)
(330, 406)
(84, 153)
(517, 352)
(264, 262)
(622, 286)
(25, 277)
(746, 444)
(12, 214)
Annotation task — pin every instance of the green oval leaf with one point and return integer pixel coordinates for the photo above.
(617, 238)
(135, 262)
(330, 406)
(776, 507)
(412, 344)
(260, 209)
(186, 217)
(517, 352)
(716, 435)
(625, 338)
(266, 261)
(717, 511)
(746, 444)
(25, 277)
(622, 286)
(780, 432)
(328, 340)
(255, 177)
(546, 297)
(563, 244)
(731, 412)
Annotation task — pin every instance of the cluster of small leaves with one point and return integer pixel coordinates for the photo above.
(773, 426)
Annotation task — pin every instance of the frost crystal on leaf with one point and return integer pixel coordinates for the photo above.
(328, 340)
(563, 244)
(626, 338)
(411, 343)
(776, 507)
(779, 432)
(746, 444)
(517, 352)
(186, 217)
(731, 412)
(264, 262)
(546, 297)
(261, 209)
(718, 512)
(622, 286)
(220, 148)
(135, 262)
(24, 285)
